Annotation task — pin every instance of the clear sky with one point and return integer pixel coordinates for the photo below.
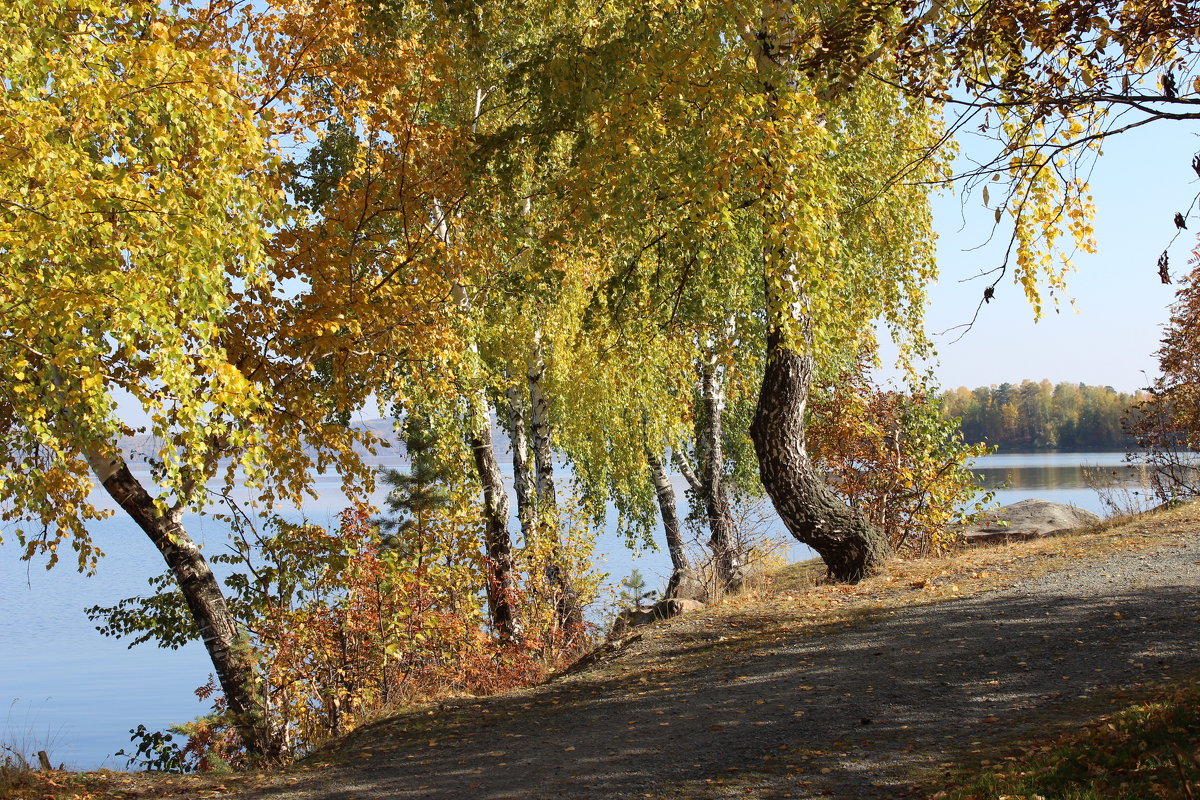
(1109, 337)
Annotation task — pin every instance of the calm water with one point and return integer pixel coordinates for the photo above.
(69, 690)
(1051, 476)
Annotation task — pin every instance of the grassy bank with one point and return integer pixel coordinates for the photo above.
(1149, 748)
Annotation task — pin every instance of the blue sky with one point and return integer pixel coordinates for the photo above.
(1110, 335)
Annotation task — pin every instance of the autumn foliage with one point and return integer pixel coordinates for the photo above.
(251, 220)
(1167, 424)
(896, 458)
(345, 624)
(349, 627)
(1042, 415)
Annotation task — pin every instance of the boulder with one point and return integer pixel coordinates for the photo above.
(663, 609)
(676, 606)
(1028, 519)
(687, 584)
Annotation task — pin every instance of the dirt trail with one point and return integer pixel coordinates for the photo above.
(751, 707)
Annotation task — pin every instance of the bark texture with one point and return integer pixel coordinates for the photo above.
(500, 580)
(710, 438)
(218, 630)
(568, 608)
(497, 542)
(665, 493)
(850, 545)
(686, 582)
(685, 469)
(522, 476)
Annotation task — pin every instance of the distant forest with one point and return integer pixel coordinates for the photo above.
(1042, 415)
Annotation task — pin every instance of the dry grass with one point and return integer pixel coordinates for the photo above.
(971, 571)
(108, 785)
(16, 773)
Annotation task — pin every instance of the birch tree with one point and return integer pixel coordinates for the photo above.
(134, 203)
(822, 125)
(150, 252)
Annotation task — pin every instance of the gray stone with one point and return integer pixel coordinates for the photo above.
(687, 585)
(663, 609)
(1028, 519)
(675, 606)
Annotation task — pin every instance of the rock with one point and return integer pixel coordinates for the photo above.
(663, 609)
(1028, 519)
(630, 618)
(675, 606)
(687, 585)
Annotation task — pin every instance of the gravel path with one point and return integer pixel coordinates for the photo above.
(848, 711)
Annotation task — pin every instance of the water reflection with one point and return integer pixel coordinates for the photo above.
(1053, 476)
(1070, 478)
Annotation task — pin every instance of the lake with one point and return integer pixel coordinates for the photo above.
(1058, 477)
(66, 689)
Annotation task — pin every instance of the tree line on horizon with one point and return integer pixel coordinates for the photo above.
(1043, 416)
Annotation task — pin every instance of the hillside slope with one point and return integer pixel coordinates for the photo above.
(808, 691)
(825, 691)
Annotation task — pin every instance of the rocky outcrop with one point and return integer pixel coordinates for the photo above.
(663, 609)
(687, 584)
(1028, 519)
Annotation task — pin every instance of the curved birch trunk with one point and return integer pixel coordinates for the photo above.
(227, 650)
(500, 583)
(850, 545)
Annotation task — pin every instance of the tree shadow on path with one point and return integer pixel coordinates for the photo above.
(844, 712)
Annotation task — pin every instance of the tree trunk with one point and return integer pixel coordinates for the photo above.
(543, 454)
(685, 469)
(500, 581)
(522, 479)
(567, 605)
(710, 441)
(685, 583)
(665, 493)
(218, 630)
(851, 547)
(501, 588)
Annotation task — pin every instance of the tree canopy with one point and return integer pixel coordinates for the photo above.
(135, 204)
